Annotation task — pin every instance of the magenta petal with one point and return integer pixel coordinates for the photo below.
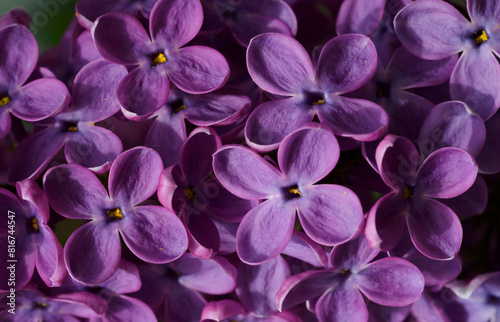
(472, 202)
(343, 303)
(142, 92)
(346, 63)
(197, 69)
(265, 231)
(15, 16)
(93, 147)
(204, 240)
(221, 310)
(359, 17)
(308, 154)
(435, 229)
(216, 109)
(34, 153)
(254, 24)
(279, 64)
(5, 122)
(40, 99)
(391, 281)
(122, 308)
(259, 179)
(121, 38)
(473, 81)
(92, 253)
(154, 234)
(446, 173)
(134, 176)
(304, 248)
(270, 122)
(50, 260)
(355, 118)
(416, 28)
(174, 23)
(329, 214)
(75, 192)
(353, 255)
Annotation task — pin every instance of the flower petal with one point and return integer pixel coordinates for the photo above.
(221, 310)
(154, 234)
(204, 240)
(49, 259)
(304, 248)
(353, 255)
(346, 63)
(134, 175)
(253, 24)
(5, 122)
(122, 308)
(481, 10)
(265, 231)
(359, 17)
(216, 109)
(259, 179)
(279, 64)
(329, 214)
(489, 157)
(308, 154)
(343, 303)
(435, 229)
(196, 154)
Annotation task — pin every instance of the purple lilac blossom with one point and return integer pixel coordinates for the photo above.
(153, 233)
(160, 56)
(279, 64)
(87, 11)
(329, 214)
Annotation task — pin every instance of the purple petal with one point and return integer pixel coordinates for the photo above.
(279, 64)
(479, 68)
(472, 202)
(92, 253)
(355, 118)
(265, 231)
(28, 190)
(93, 147)
(446, 173)
(385, 222)
(481, 10)
(15, 16)
(435, 229)
(196, 154)
(436, 273)
(215, 109)
(257, 285)
(17, 42)
(94, 90)
(122, 308)
(214, 276)
(89, 10)
(75, 192)
(83, 51)
(359, 17)
(416, 28)
(134, 175)
(220, 310)
(40, 99)
(270, 122)
(329, 214)
(452, 124)
(125, 280)
(142, 92)
(259, 179)
(204, 240)
(49, 259)
(281, 10)
(34, 153)
(253, 24)
(304, 248)
(5, 122)
(343, 303)
(308, 154)
(154, 234)
(346, 63)
(391, 281)
(121, 39)
(174, 23)
(489, 157)
(353, 255)
(183, 304)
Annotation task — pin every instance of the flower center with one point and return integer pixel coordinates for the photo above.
(34, 223)
(71, 126)
(407, 193)
(177, 106)
(4, 101)
(480, 36)
(383, 90)
(189, 193)
(158, 59)
(115, 214)
(292, 192)
(313, 98)
(40, 305)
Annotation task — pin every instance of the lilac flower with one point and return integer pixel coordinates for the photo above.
(488, 159)
(122, 39)
(247, 19)
(15, 16)
(280, 65)
(35, 100)
(87, 11)
(329, 214)
(24, 225)
(94, 99)
(477, 73)
(433, 227)
(92, 253)
(337, 291)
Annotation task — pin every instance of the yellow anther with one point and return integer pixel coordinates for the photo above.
(40, 304)
(295, 191)
(407, 194)
(115, 213)
(189, 193)
(34, 222)
(73, 129)
(4, 100)
(344, 271)
(319, 102)
(159, 59)
(180, 108)
(92, 123)
(481, 38)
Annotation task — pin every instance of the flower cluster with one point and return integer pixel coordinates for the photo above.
(252, 160)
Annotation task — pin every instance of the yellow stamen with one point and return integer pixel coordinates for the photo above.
(40, 304)
(4, 100)
(34, 222)
(73, 129)
(189, 193)
(407, 194)
(481, 38)
(160, 59)
(115, 213)
(295, 191)
(344, 271)
(319, 102)
(180, 108)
